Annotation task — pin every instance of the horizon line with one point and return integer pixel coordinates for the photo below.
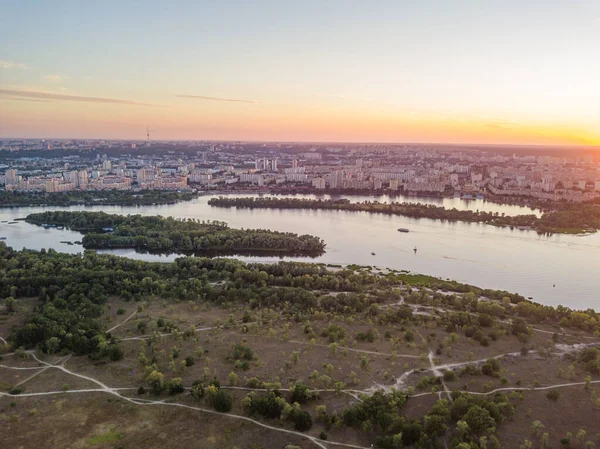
(316, 142)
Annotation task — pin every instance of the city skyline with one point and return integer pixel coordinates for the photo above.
(335, 72)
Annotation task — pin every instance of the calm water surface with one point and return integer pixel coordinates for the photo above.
(559, 269)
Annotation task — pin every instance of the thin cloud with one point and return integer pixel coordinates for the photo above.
(55, 78)
(61, 97)
(230, 100)
(12, 65)
(23, 99)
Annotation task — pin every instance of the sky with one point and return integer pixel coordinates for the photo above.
(460, 71)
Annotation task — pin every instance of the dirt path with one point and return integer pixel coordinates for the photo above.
(60, 361)
(123, 322)
(114, 391)
(360, 351)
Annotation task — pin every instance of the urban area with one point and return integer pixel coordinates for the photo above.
(272, 167)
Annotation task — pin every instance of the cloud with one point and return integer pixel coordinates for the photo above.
(61, 97)
(12, 65)
(23, 99)
(55, 78)
(231, 100)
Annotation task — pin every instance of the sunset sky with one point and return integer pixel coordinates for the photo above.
(461, 71)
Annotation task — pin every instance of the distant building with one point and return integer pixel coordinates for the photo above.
(318, 183)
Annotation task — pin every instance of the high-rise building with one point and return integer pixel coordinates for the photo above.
(336, 180)
(82, 181)
(11, 176)
(318, 183)
(142, 175)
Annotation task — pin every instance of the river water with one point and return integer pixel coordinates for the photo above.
(558, 269)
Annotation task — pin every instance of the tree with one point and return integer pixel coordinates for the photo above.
(301, 419)
(10, 304)
(479, 419)
(222, 401)
(197, 390)
(157, 382)
(526, 445)
(537, 427)
(175, 386)
(435, 425)
(53, 345)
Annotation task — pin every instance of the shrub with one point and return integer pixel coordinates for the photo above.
(16, 390)
(242, 352)
(300, 393)
(198, 389)
(553, 395)
(449, 375)
(175, 386)
(366, 336)
(301, 419)
(222, 401)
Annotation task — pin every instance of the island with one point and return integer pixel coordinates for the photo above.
(564, 218)
(168, 234)
(285, 355)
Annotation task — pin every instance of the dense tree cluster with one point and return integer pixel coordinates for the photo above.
(564, 218)
(273, 405)
(155, 233)
(94, 198)
(465, 420)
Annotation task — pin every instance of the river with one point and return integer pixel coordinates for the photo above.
(557, 269)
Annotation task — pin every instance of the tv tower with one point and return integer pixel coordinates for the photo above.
(147, 133)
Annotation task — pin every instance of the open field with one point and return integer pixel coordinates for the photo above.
(367, 337)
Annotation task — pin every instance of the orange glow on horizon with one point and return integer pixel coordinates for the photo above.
(265, 122)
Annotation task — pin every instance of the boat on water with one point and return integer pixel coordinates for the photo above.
(2, 238)
(372, 254)
(415, 250)
(12, 222)
(60, 227)
(403, 230)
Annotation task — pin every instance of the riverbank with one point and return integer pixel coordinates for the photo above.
(478, 254)
(94, 198)
(550, 222)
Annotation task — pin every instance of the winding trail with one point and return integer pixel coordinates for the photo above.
(42, 369)
(437, 373)
(196, 329)
(360, 351)
(114, 391)
(122, 322)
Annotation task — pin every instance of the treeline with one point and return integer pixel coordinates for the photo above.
(156, 233)
(93, 197)
(72, 290)
(566, 218)
(413, 210)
